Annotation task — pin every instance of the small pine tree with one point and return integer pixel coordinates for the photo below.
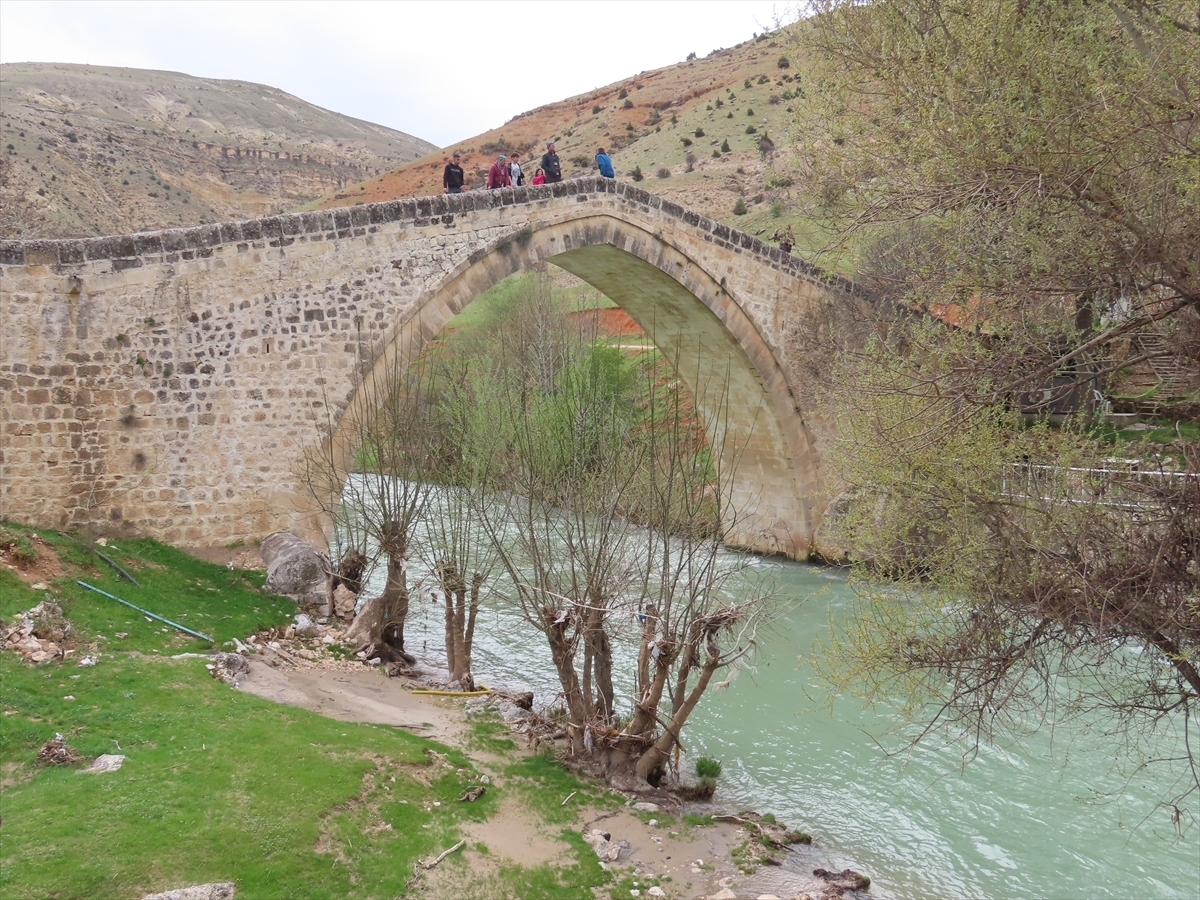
(699, 132)
(624, 93)
(636, 174)
(739, 208)
(628, 104)
(725, 145)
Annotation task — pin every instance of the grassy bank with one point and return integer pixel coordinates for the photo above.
(219, 785)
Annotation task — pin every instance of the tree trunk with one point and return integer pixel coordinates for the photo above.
(660, 751)
(394, 600)
(563, 654)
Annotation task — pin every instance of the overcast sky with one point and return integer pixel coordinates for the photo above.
(441, 71)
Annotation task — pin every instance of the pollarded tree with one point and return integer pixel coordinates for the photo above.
(610, 532)
(380, 506)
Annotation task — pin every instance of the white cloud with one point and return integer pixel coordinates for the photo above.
(442, 71)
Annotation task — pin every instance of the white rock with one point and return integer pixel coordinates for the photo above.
(723, 894)
(213, 891)
(635, 893)
(656, 891)
(87, 662)
(108, 762)
(766, 897)
(646, 807)
(40, 586)
(652, 823)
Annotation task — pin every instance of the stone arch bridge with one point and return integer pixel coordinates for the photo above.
(173, 380)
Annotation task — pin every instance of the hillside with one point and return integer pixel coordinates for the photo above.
(96, 150)
(653, 121)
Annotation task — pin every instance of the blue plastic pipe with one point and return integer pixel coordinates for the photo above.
(146, 612)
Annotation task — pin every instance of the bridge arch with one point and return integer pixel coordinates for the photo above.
(172, 379)
(698, 325)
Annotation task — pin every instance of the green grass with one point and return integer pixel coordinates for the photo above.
(205, 597)
(488, 733)
(1161, 433)
(219, 785)
(545, 783)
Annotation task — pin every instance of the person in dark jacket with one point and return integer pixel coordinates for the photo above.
(498, 176)
(550, 165)
(605, 164)
(452, 176)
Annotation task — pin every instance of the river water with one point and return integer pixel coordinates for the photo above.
(1020, 821)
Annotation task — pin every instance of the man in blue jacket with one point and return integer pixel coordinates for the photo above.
(605, 164)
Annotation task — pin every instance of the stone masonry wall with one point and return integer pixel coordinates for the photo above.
(173, 379)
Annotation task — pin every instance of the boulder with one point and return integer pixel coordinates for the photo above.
(305, 627)
(344, 602)
(298, 570)
(366, 622)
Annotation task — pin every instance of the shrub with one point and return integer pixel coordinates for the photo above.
(624, 93)
(729, 115)
(72, 137)
(690, 160)
(739, 208)
(629, 126)
(716, 154)
(749, 111)
(636, 174)
(762, 79)
(597, 109)
(580, 162)
(687, 142)
(776, 210)
(725, 145)
(628, 104)
(746, 84)
(719, 103)
(663, 172)
(783, 62)
(674, 119)
(773, 100)
(708, 768)
(691, 56)
(750, 129)
(757, 198)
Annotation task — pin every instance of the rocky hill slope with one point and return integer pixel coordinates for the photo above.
(96, 150)
(706, 133)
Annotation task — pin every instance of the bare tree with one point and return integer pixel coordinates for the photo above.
(377, 508)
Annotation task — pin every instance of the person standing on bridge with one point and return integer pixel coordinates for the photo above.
(498, 174)
(605, 163)
(550, 165)
(452, 177)
(515, 175)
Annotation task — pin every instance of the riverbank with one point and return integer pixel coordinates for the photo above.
(320, 775)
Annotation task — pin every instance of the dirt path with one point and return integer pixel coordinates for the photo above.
(366, 695)
(696, 859)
